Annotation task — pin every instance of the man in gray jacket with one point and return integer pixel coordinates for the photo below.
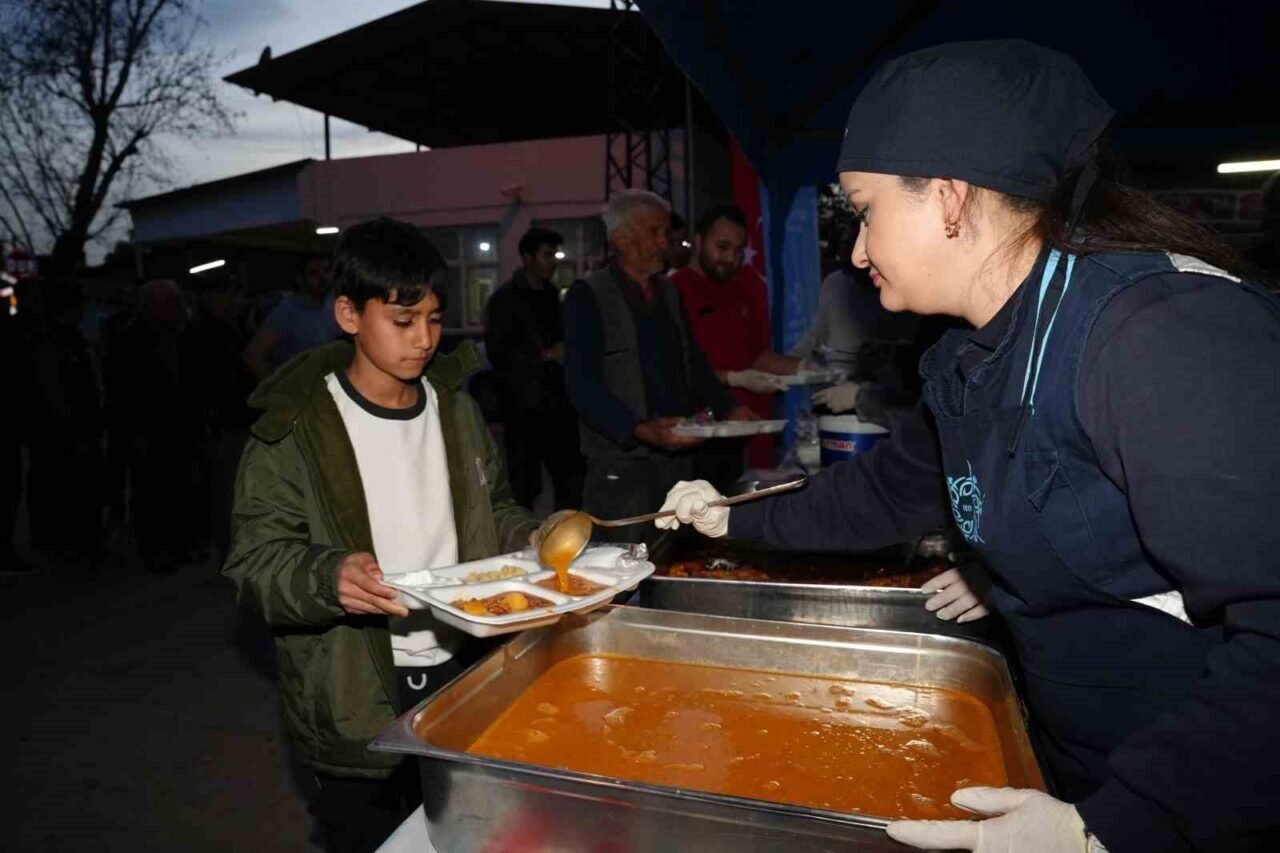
(632, 370)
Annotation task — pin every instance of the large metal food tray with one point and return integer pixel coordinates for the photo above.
(888, 608)
(476, 803)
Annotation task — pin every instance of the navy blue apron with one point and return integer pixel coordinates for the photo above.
(1057, 536)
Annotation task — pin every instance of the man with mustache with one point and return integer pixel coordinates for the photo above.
(633, 370)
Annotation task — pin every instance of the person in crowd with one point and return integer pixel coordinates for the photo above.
(1265, 255)
(633, 370)
(679, 249)
(299, 322)
(853, 333)
(524, 339)
(212, 351)
(355, 454)
(64, 436)
(15, 390)
(114, 326)
(727, 308)
(1077, 428)
(154, 424)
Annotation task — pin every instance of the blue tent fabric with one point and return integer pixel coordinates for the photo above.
(782, 74)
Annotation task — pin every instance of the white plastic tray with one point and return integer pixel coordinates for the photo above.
(729, 429)
(618, 568)
(812, 377)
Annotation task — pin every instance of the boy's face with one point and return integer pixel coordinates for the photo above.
(399, 340)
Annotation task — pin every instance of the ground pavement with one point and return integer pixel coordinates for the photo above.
(139, 714)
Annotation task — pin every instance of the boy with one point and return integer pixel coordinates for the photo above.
(358, 466)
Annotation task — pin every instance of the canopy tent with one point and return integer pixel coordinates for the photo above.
(1193, 82)
(469, 72)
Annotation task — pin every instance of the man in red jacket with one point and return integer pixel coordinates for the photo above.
(728, 311)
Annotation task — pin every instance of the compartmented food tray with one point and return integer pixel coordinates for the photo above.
(811, 377)
(512, 592)
(729, 429)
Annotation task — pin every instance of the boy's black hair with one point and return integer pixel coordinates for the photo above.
(715, 213)
(535, 238)
(389, 260)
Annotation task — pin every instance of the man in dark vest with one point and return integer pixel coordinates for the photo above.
(632, 369)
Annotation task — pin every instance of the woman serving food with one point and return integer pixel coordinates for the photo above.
(1104, 437)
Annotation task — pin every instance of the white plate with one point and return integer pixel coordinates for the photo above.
(729, 429)
(811, 377)
(618, 569)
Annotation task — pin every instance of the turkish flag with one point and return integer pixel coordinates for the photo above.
(746, 195)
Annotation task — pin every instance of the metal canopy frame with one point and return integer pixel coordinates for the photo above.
(638, 142)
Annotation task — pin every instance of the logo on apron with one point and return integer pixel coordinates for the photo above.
(966, 504)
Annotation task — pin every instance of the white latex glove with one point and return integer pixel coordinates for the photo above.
(755, 380)
(952, 598)
(690, 499)
(838, 398)
(1021, 820)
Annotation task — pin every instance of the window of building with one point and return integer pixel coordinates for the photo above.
(472, 254)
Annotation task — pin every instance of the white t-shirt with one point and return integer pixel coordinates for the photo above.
(401, 457)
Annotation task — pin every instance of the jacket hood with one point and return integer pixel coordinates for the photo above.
(285, 394)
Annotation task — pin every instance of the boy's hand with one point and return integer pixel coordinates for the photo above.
(359, 590)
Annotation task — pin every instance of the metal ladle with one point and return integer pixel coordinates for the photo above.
(569, 530)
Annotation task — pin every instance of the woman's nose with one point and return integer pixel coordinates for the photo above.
(859, 258)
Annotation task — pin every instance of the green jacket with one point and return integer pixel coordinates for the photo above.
(300, 508)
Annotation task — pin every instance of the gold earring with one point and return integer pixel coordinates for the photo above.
(952, 230)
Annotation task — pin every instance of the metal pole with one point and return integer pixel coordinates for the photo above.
(688, 155)
(326, 136)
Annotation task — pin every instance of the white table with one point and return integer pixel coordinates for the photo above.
(410, 836)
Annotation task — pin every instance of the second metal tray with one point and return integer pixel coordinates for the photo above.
(888, 608)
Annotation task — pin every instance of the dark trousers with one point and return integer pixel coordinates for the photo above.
(225, 449)
(164, 488)
(618, 488)
(545, 436)
(721, 462)
(10, 493)
(65, 491)
(357, 815)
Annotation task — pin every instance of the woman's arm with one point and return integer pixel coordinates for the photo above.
(892, 494)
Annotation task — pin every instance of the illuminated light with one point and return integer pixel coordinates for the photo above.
(485, 246)
(328, 229)
(212, 265)
(1249, 166)
(559, 256)
(686, 244)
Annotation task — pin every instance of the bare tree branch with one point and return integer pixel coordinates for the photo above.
(14, 225)
(87, 90)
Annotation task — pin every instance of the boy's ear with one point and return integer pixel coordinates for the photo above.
(347, 315)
